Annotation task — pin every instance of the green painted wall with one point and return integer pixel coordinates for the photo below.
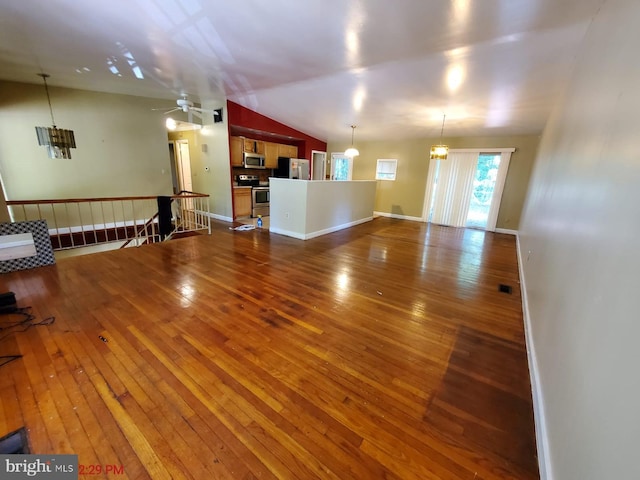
(121, 147)
(405, 196)
(122, 150)
(121, 144)
(210, 165)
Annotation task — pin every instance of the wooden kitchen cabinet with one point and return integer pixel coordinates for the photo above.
(242, 201)
(271, 151)
(254, 146)
(237, 144)
(290, 151)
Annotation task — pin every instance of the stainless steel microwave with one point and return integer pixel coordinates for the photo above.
(253, 160)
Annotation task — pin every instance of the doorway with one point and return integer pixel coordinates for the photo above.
(183, 164)
(181, 178)
(319, 162)
(180, 166)
(341, 167)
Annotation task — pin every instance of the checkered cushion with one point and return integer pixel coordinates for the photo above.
(44, 251)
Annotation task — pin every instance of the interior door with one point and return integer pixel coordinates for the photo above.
(184, 207)
(184, 166)
(319, 162)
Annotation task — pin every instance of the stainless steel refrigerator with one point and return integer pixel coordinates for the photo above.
(297, 168)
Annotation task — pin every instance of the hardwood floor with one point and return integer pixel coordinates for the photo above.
(381, 351)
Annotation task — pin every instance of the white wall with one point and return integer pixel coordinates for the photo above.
(216, 181)
(581, 259)
(288, 206)
(307, 209)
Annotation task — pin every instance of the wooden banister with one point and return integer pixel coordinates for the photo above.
(102, 199)
(78, 222)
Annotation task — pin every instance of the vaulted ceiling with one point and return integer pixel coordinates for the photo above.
(391, 67)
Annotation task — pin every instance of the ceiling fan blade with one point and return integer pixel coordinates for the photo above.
(164, 110)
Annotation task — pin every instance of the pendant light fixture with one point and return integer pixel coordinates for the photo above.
(440, 152)
(352, 151)
(57, 140)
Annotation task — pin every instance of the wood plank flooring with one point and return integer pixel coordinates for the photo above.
(384, 351)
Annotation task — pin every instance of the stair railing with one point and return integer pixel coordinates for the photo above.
(130, 221)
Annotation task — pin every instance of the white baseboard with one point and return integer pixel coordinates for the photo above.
(217, 217)
(400, 217)
(318, 233)
(542, 438)
(287, 233)
(508, 231)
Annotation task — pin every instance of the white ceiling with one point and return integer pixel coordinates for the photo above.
(391, 67)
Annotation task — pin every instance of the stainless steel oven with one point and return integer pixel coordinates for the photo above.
(260, 201)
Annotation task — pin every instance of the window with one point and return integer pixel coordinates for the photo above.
(386, 169)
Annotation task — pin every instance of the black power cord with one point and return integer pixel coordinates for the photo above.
(4, 359)
(19, 326)
(26, 323)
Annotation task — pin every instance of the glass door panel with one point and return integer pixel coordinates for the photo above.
(341, 167)
(484, 186)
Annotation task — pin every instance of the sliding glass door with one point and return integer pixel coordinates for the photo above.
(466, 189)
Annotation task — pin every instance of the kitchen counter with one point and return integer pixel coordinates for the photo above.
(306, 209)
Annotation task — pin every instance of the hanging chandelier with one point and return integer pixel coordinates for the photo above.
(352, 151)
(440, 152)
(57, 140)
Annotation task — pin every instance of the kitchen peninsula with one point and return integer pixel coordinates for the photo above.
(306, 209)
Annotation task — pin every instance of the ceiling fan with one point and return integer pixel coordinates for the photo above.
(185, 105)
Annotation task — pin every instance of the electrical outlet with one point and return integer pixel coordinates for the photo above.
(286, 215)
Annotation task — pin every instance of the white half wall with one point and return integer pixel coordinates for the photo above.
(306, 209)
